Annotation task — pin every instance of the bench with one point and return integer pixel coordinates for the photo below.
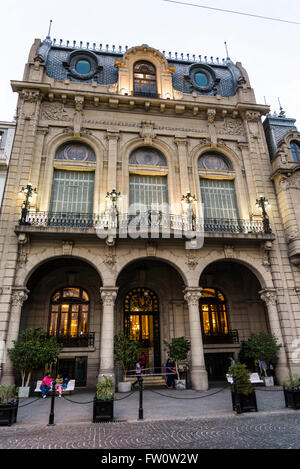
(69, 388)
(254, 378)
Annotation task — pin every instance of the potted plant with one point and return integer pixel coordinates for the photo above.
(178, 350)
(9, 403)
(291, 389)
(103, 408)
(126, 353)
(30, 352)
(264, 348)
(242, 392)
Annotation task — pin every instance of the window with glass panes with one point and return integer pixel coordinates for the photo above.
(151, 191)
(213, 312)
(295, 147)
(72, 192)
(69, 311)
(144, 76)
(219, 199)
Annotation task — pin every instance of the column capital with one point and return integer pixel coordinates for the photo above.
(192, 295)
(269, 296)
(19, 296)
(108, 295)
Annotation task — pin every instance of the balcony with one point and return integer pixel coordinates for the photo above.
(231, 338)
(83, 340)
(165, 225)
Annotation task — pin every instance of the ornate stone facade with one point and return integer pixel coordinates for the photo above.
(76, 239)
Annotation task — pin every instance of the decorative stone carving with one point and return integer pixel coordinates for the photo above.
(151, 248)
(19, 296)
(293, 236)
(108, 296)
(234, 126)
(67, 248)
(269, 296)
(252, 116)
(192, 296)
(54, 111)
(147, 133)
(192, 260)
(229, 251)
(211, 114)
(23, 249)
(79, 100)
(30, 96)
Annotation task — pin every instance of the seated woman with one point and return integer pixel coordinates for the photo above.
(46, 385)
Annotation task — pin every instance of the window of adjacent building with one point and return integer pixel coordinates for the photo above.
(144, 77)
(69, 310)
(219, 199)
(72, 192)
(295, 147)
(1, 137)
(213, 312)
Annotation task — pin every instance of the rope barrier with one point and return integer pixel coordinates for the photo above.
(268, 390)
(90, 402)
(28, 403)
(189, 398)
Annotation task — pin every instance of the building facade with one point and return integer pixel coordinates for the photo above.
(7, 132)
(111, 139)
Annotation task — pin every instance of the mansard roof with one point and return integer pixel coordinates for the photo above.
(56, 56)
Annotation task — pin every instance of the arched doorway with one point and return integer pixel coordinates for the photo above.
(230, 310)
(141, 322)
(64, 301)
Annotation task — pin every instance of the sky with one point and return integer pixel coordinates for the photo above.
(268, 50)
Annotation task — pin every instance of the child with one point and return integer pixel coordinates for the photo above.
(59, 384)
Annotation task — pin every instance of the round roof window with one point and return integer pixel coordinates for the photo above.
(83, 67)
(201, 79)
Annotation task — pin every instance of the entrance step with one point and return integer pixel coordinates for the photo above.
(150, 380)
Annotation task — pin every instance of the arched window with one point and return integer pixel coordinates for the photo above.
(69, 312)
(213, 313)
(295, 147)
(149, 190)
(144, 78)
(72, 195)
(214, 161)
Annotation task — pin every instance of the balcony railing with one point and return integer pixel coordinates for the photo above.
(150, 219)
(231, 338)
(145, 95)
(83, 340)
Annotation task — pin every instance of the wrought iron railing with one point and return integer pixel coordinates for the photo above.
(82, 340)
(151, 218)
(145, 95)
(232, 337)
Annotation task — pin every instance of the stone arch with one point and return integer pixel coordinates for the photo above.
(37, 260)
(168, 170)
(170, 259)
(263, 276)
(51, 148)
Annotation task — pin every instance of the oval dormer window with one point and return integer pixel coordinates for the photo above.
(201, 79)
(83, 67)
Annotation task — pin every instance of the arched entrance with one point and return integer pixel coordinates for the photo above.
(230, 310)
(150, 306)
(64, 300)
(141, 322)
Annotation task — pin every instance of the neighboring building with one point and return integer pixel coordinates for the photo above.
(155, 129)
(7, 131)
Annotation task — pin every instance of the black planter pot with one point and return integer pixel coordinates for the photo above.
(248, 402)
(292, 398)
(103, 411)
(8, 412)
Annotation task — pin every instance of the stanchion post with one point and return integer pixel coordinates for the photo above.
(51, 415)
(237, 401)
(141, 410)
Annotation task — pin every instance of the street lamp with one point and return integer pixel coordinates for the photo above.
(188, 198)
(114, 196)
(30, 194)
(262, 203)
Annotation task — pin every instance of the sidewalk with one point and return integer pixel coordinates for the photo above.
(158, 404)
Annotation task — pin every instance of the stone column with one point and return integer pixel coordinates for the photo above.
(269, 296)
(112, 138)
(108, 296)
(183, 166)
(19, 295)
(198, 373)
